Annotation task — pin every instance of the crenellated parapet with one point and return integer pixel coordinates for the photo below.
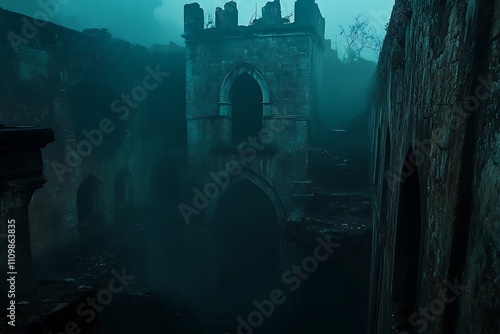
(194, 18)
(227, 17)
(307, 13)
(271, 14)
(242, 81)
(308, 18)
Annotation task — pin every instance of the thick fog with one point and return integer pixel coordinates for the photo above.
(149, 22)
(258, 176)
(217, 219)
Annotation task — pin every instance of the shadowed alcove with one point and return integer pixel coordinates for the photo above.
(247, 239)
(408, 241)
(246, 110)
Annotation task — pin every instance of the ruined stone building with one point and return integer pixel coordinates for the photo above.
(88, 88)
(435, 176)
(272, 67)
(252, 111)
(210, 175)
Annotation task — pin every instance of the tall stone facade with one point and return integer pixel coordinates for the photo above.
(285, 62)
(435, 135)
(85, 86)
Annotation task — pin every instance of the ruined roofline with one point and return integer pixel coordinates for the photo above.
(14, 22)
(292, 29)
(308, 18)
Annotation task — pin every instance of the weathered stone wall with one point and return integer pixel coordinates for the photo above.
(437, 92)
(68, 80)
(289, 61)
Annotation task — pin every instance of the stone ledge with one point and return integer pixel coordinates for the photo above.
(14, 138)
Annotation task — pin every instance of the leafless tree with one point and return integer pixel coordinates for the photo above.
(360, 37)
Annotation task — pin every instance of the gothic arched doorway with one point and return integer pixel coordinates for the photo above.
(248, 241)
(405, 281)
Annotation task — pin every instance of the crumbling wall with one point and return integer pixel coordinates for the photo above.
(289, 64)
(89, 88)
(437, 92)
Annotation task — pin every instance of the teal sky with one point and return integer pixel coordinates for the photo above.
(140, 21)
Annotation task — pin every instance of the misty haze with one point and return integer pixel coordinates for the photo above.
(241, 167)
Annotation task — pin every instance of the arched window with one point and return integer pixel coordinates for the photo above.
(244, 96)
(246, 109)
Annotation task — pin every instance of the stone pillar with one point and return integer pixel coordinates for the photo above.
(14, 207)
(20, 175)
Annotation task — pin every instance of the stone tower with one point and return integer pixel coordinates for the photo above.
(251, 95)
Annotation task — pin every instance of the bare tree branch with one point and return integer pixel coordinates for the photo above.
(359, 38)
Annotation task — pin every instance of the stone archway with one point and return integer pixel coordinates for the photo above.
(407, 255)
(262, 184)
(247, 231)
(225, 105)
